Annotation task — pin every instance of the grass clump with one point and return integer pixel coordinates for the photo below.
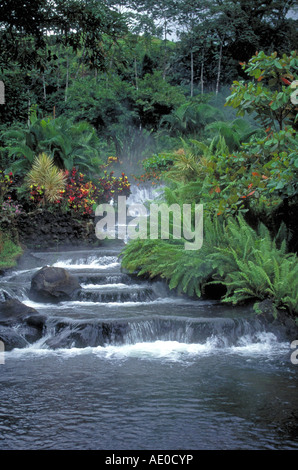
(9, 251)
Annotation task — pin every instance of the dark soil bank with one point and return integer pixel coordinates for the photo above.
(44, 229)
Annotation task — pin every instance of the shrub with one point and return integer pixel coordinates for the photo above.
(268, 93)
(9, 251)
(6, 181)
(46, 176)
(68, 143)
(76, 194)
(79, 195)
(10, 209)
(110, 187)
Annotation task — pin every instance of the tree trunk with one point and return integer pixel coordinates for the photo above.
(202, 72)
(219, 68)
(136, 73)
(165, 52)
(29, 106)
(67, 78)
(58, 69)
(191, 74)
(81, 63)
(44, 87)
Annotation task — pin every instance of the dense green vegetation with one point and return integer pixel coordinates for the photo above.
(248, 263)
(9, 252)
(198, 95)
(247, 180)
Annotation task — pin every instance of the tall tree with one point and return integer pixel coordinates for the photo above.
(29, 31)
(162, 16)
(189, 16)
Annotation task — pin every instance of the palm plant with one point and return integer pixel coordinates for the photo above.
(69, 144)
(190, 118)
(194, 159)
(234, 132)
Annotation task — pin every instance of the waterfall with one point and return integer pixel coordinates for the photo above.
(125, 363)
(144, 193)
(114, 309)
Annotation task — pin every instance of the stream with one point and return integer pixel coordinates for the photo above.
(128, 364)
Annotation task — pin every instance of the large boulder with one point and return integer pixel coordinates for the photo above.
(53, 284)
(30, 324)
(13, 312)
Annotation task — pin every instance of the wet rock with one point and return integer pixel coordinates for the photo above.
(11, 339)
(4, 295)
(53, 284)
(281, 322)
(19, 324)
(13, 312)
(87, 334)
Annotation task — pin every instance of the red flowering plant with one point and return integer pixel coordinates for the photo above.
(9, 208)
(37, 194)
(82, 197)
(110, 187)
(79, 196)
(6, 181)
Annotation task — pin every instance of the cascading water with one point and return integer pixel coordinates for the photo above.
(127, 364)
(144, 193)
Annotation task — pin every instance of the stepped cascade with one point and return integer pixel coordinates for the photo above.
(112, 307)
(126, 363)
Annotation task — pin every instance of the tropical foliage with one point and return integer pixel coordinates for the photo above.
(9, 251)
(66, 142)
(45, 176)
(87, 80)
(247, 181)
(247, 262)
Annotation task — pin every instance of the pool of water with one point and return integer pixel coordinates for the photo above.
(170, 373)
